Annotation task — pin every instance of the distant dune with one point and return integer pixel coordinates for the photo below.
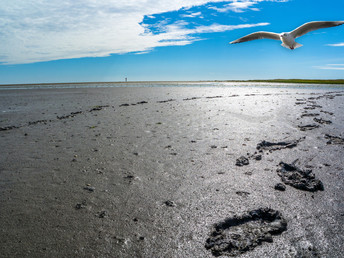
(340, 81)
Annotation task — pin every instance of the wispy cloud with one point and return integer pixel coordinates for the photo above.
(177, 34)
(240, 6)
(336, 45)
(36, 31)
(236, 6)
(331, 67)
(192, 15)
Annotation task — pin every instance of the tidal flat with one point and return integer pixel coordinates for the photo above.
(153, 172)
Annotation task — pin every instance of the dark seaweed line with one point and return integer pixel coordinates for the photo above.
(45, 121)
(216, 97)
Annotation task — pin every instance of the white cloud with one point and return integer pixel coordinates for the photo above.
(221, 28)
(36, 30)
(337, 45)
(236, 6)
(192, 15)
(331, 67)
(240, 6)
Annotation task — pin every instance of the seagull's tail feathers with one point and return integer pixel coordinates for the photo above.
(284, 45)
(296, 45)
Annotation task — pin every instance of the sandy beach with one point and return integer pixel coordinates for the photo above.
(172, 172)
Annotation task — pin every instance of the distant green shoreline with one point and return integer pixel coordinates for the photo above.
(303, 81)
(308, 81)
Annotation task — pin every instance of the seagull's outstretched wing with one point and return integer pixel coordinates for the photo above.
(315, 25)
(257, 35)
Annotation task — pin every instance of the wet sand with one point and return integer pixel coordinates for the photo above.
(172, 172)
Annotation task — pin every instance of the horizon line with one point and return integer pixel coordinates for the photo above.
(179, 81)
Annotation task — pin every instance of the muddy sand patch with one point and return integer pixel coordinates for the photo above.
(242, 233)
(332, 139)
(308, 127)
(298, 178)
(322, 121)
(271, 146)
(242, 161)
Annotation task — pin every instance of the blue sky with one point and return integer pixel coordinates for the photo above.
(108, 40)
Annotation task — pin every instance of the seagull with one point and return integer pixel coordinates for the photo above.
(288, 38)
